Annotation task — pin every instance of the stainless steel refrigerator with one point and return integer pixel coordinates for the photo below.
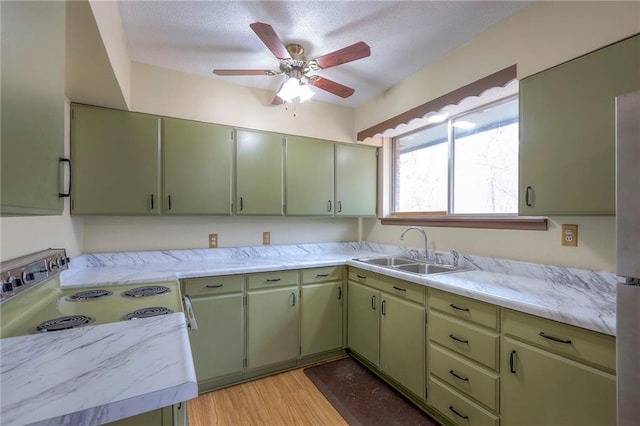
(628, 257)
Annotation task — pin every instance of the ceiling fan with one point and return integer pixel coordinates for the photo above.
(295, 65)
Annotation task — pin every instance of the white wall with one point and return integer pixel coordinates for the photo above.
(104, 234)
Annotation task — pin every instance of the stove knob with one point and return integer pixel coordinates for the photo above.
(7, 285)
(27, 277)
(17, 282)
(53, 265)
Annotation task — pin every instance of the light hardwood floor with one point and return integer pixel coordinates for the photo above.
(283, 399)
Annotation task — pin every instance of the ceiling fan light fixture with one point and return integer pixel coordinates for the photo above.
(292, 89)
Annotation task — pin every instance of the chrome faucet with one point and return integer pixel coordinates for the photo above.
(424, 235)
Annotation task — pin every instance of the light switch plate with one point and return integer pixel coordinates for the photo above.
(570, 235)
(266, 238)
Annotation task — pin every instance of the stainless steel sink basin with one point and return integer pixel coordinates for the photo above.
(387, 260)
(412, 266)
(425, 268)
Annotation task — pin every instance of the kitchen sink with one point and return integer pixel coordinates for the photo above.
(426, 268)
(387, 260)
(412, 266)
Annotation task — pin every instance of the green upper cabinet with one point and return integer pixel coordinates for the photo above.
(116, 162)
(196, 168)
(309, 177)
(33, 81)
(259, 167)
(567, 131)
(356, 180)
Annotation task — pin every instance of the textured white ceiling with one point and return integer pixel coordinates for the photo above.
(405, 36)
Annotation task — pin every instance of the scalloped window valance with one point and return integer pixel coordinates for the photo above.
(497, 79)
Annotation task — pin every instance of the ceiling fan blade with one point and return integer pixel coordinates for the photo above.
(269, 37)
(331, 86)
(243, 72)
(354, 52)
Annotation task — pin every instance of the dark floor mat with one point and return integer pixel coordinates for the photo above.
(362, 398)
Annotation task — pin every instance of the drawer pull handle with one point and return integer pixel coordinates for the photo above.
(362, 277)
(512, 362)
(383, 311)
(339, 293)
(373, 302)
(457, 376)
(399, 288)
(459, 308)
(457, 339)
(555, 339)
(454, 411)
(273, 280)
(214, 286)
(321, 275)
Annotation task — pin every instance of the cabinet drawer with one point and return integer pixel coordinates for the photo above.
(318, 275)
(466, 339)
(273, 279)
(579, 343)
(465, 376)
(400, 288)
(214, 285)
(464, 308)
(457, 408)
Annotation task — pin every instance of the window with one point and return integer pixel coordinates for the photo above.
(467, 164)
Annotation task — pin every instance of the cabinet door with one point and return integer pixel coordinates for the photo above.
(356, 180)
(116, 162)
(549, 389)
(272, 332)
(402, 342)
(218, 346)
(321, 318)
(309, 177)
(567, 131)
(32, 128)
(362, 323)
(196, 165)
(259, 166)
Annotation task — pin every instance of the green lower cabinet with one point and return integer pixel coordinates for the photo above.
(541, 388)
(363, 326)
(402, 342)
(218, 346)
(272, 326)
(321, 318)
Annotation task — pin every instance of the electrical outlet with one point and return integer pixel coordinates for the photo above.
(213, 240)
(570, 235)
(266, 238)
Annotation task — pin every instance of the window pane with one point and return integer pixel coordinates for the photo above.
(486, 160)
(421, 168)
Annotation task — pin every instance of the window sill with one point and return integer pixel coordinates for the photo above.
(527, 223)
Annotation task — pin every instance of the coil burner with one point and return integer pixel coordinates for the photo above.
(88, 295)
(64, 323)
(151, 290)
(147, 312)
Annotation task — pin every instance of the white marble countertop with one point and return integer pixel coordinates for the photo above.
(578, 297)
(96, 374)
